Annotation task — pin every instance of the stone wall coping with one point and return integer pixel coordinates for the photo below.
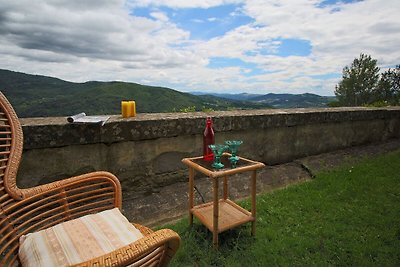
(57, 132)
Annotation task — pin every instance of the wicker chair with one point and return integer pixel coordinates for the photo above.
(29, 210)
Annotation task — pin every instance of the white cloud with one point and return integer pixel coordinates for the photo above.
(54, 32)
(182, 3)
(358, 27)
(337, 38)
(79, 41)
(159, 16)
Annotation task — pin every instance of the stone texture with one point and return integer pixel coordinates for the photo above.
(145, 152)
(171, 202)
(56, 132)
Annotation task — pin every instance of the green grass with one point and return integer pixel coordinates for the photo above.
(349, 216)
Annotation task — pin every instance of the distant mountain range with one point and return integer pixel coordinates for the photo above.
(241, 96)
(279, 100)
(294, 101)
(42, 96)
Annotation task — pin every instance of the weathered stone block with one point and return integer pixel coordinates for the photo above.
(145, 152)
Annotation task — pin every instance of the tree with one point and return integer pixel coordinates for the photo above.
(359, 82)
(389, 87)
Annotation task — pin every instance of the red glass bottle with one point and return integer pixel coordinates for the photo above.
(208, 139)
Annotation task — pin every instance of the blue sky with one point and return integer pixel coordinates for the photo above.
(202, 23)
(226, 46)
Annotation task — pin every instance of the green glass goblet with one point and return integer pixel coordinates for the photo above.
(233, 147)
(217, 150)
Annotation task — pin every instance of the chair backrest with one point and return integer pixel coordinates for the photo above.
(28, 210)
(11, 142)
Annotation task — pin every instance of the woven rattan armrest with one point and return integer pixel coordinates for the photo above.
(24, 211)
(46, 205)
(81, 179)
(154, 249)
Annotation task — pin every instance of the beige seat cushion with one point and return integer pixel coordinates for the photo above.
(78, 240)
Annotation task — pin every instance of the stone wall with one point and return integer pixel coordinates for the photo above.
(145, 152)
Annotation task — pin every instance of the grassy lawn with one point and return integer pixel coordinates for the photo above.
(345, 217)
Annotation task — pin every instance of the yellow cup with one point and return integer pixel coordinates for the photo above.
(132, 108)
(125, 110)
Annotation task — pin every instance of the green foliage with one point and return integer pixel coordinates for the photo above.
(187, 109)
(205, 109)
(361, 84)
(345, 217)
(359, 81)
(40, 96)
(377, 104)
(194, 109)
(334, 104)
(389, 86)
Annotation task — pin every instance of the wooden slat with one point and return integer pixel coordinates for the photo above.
(12, 255)
(82, 194)
(236, 206)
(230, 215)
(42, 198)
(23, 207)
(2, 198)
(7, 202)
(13, 260)
(28, 208)
(31, 209)
(248, 165)
(5, 145)
(150, 258)
(92, 198)
(197, 167)
(15, 238)
(35, 210)
(191, 194)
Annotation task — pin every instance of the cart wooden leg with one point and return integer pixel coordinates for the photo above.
(191, 191)
(253, 202)
(215, 210)
(225, 187)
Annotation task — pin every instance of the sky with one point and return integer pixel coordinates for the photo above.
(221, 46)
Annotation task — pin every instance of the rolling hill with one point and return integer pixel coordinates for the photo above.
(293, 100)
(41, 96)
(241, 96)
(280, 100)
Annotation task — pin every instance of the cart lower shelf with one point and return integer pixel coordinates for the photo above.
(230, 215)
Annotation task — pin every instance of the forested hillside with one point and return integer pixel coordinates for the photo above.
(38, 96)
